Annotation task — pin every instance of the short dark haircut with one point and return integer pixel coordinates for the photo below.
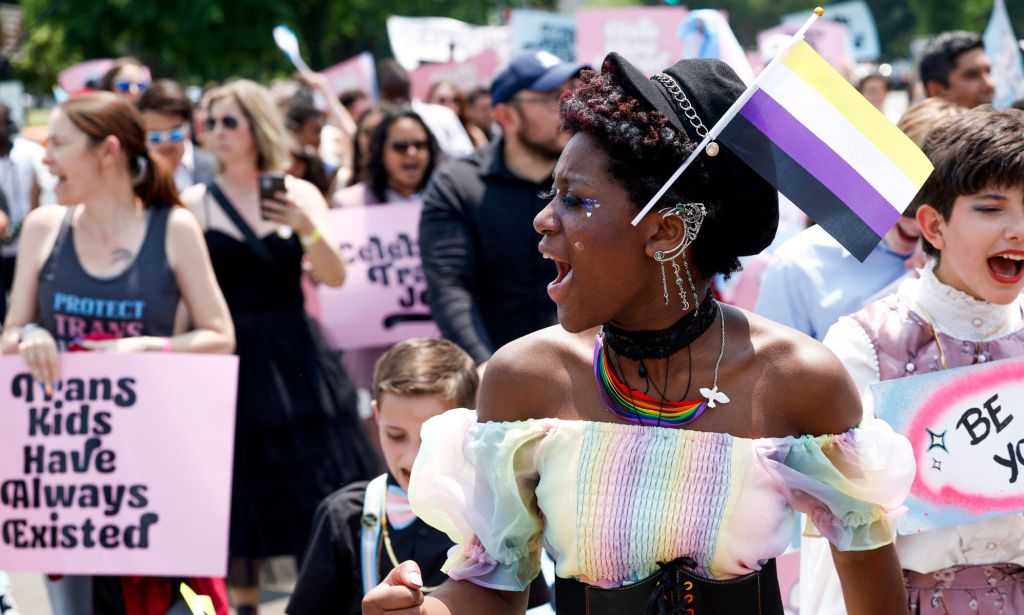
(427, 366)
(643, 149)
(166, 97)
(940, 54)
(392, 81)
(981, 148)
(376, 172)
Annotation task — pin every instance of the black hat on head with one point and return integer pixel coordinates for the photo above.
(701, 92)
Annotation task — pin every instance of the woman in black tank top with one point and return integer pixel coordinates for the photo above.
(107, 272)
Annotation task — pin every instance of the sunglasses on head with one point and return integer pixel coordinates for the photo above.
(124, 85)
(174, 135)
(228, 121)
(401, 146)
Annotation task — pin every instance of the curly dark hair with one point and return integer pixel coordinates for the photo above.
(376, 173)
(643, 151)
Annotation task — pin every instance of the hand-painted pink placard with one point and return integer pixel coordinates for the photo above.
(125, 470)
(468, 74)
(383, 300)
(966, 427)
(646, 36)
(357, 73)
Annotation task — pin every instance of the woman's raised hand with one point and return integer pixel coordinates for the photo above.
(399, 592)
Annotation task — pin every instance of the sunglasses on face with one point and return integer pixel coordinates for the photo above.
(174, 135)
(228, 121)
(402, 146)
(125, 85)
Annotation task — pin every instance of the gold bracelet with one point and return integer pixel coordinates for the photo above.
(312, 238)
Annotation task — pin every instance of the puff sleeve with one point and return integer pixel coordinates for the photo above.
(851, 485)
(475, 482)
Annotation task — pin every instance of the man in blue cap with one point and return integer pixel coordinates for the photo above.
(487, 281)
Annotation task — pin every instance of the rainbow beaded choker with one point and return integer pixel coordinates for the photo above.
(637, 407)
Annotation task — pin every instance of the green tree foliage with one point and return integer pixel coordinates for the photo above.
(209, 40)
(198, 41)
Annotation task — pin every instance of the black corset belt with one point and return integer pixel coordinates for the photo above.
(675, 590)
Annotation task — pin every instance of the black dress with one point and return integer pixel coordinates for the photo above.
(297, 432)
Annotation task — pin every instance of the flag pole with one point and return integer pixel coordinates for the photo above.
(730, 113)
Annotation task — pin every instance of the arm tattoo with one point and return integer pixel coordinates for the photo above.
(121, 254)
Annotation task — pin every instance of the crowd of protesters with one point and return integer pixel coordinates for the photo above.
(141, 178)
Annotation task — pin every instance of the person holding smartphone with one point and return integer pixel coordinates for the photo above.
(297, 434)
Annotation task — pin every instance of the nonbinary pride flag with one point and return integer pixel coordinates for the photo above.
(809, 133)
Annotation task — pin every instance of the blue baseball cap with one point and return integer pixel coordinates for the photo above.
(540, 71)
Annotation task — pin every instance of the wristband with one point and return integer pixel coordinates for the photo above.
(166, 347)
(312, 238)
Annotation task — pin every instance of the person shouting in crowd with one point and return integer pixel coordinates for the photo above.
(402, 156)
(120, 238)
(812, 280)
(580, 444)
(954, 66)
(965, 309)
(128, 78)
(297, 436)
(487, 282)
(167, 114)
(413, 381)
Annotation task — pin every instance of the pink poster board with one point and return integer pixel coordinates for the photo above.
(125, 470)
(646, 36)
(383, 300)
(468, 74)
(357, 73)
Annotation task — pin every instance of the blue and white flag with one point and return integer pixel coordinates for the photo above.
(1004, 53)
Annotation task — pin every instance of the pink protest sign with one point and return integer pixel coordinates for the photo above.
(646, 36)
(383, 300)
(356, 73)
(126, 469)
(468, 74)
(73, 79)
(828, 38)
(966, 427)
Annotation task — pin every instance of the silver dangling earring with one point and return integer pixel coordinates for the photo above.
(664, 283)
(679, 283)
(693, 287)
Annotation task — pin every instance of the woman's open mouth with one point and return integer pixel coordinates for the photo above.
(1007, 267)
(558, 286)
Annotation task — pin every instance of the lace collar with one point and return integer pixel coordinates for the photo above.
(956, 313)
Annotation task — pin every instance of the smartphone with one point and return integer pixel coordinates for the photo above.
(270, 185)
